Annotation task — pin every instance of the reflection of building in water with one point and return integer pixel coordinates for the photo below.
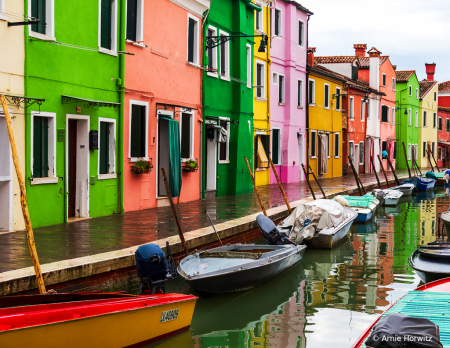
(283, 328)
(427, 221)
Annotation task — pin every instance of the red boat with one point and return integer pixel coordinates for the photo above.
(436, 312)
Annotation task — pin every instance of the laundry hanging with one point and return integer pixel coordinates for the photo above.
(323, 161)
(223, 134)
(175, 180)
(263, 161)
(371, 152)
(391, 146)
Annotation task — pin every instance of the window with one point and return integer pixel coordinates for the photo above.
(211, 53)
(107, 146)
(327, 96)
(409, 118)
(300, 33)
(440, 123)
(385, 113)
(262, 148)
(281, 89)
(384, 146)
(44, 11)
(43, 141)
(225, 58)
(313, 143)
(276, 146)
(409, 152)
(187, 138)
(361, 152)
(384, 80)
(312, 92)
(224, 148)
(350, 149)
(393, 83)
(417, 118)
(138, 129)
(299, 93)
(338, 98)
(260, 80)
(435, 96)
(259, 20)
(424, 149)
(352, 106)
(192, 39)
(108, 27)
(424, 118)
(434, 120)
(277, 22)
(410, 90)
(336, 144)
(328, 144)
(249, 66)
(447, 125)
(417, 93)
(135, 20)
(395, 150)
(393, 115)
(275, 78)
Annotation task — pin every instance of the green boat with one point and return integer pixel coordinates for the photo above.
(365, 206)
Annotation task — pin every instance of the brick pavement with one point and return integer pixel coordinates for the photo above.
(99, 235)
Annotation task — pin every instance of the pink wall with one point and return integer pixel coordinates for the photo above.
(289, 58)
(159, 75)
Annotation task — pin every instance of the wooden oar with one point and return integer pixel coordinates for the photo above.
(254, 186)
(281, 186)
(23, 200)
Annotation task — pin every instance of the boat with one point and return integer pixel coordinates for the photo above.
(445, 218)
(438, 176)
(431, 261)
(238, 267)
(406, 189)
(431, 301)
(92, 319)
(389, 196)
(365, 206)
(422, 184)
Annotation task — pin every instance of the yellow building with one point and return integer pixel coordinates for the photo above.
(325, 121)
(261, 102)
(429, 120)
(427, 218)
(12, 58)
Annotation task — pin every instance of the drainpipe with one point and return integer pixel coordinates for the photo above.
(200, 157)
(120, 118)
(307, 100)
(269, 62)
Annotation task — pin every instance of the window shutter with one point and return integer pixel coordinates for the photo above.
(40, 147)
(258, 79)
(327, 100)
(310, 92)
(38, 10)
(105, 37)
(104, 147)
(191, 33)
(275, 145)
(185, 136)
(137, 141)
(395, 150)
(209, 52)
(277, 22)
(300, 34)
(354, 72)
(223, 58)
(384, 113)
(132, 20)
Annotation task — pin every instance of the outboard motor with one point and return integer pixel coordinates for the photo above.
(153, 268)
(270, 232)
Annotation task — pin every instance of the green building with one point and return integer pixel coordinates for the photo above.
(228, 100)
(407, 116)
(73, 61)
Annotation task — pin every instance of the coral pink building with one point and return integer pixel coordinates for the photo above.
(163, 83)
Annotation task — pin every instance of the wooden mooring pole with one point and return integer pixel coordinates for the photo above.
(417, 166)
(254, 186)
(393, 171)
(23, 199)
(360, 188)
(435, 162)
(317, 181)
(406, 159)
(307, 181)
(381, 165)
(281, 186)
(375, 171)
(174, 212)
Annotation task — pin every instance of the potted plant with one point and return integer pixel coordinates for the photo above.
(141, 167)
(191, 165)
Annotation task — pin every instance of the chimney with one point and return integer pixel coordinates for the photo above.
(374, 72)
(311, 51)
(430, 68)
(360, 50)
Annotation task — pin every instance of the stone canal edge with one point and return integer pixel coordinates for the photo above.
(90, 267)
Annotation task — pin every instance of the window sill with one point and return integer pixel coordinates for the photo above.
(107, 176)
(195, 65)
(281, 104)
(261, 169)
(225, 78)
(260, 32)
(41, 36)
(261, 99)
(215, 75)
(326, 108)
(3, 17)
(135, 159)
(137, 44)
(41, 181)
(312, 104)
(224, 162)
(313, 157)
(337, 157)
(108, 52)
(299, 107)
(5, 178)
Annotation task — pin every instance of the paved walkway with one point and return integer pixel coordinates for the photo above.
(99, 235)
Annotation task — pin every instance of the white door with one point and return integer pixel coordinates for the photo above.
(301, 155)
(211, 163)
(6, 184)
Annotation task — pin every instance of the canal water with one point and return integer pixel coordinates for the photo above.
(332, 296)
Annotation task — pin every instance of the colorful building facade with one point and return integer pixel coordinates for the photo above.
(164, 104)
(11, 84)
(444, 94)
(407, 117)
(288, 53)
(443, 154)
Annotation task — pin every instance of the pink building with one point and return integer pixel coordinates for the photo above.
(163, 83)
(288, 80)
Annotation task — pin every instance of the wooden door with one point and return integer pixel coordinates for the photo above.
(72, 180)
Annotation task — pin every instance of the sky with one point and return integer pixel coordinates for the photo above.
(410, 32)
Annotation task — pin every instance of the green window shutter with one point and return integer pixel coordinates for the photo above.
(185, 136)
(132, 20)
(106, 24)
(191, 33)
(137, 131)
(38, 10)
(40, 147)
(104, 147)
(275, 145)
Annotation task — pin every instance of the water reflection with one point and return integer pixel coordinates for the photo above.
(332, 296)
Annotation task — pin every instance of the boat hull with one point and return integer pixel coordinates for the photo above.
(425, 186)
(428, 269)
(130, 328)
(364, 217)
(390, 201)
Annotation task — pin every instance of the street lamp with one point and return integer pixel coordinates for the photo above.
(214, 41)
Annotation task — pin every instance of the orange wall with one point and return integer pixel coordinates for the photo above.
(159, 74)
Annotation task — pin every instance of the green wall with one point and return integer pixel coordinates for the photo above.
(52, 71)
(231, 98)
(405, 133)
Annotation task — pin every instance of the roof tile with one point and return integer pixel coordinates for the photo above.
(404, 75)
(444, 87)
(334, 59)
(425, 87)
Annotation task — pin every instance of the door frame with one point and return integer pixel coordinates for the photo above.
(158, 113)
(66, 169)
(301, 154)
(10, 181)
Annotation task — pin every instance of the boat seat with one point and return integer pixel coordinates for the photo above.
(229, 255)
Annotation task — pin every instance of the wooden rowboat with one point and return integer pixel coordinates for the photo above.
(92, 319)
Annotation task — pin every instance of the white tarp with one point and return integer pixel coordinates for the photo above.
(323, 213)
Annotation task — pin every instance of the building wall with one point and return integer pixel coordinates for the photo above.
(428, 133)
(443, 154)
(289, 58)
(444, 99)
(325, 120)
(12, 82)
(158, 74)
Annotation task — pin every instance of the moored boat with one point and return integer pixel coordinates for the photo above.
(365, 206)
(389, 197)
(438, 176)
(407, 189)
(431, 261)
(445, 217)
